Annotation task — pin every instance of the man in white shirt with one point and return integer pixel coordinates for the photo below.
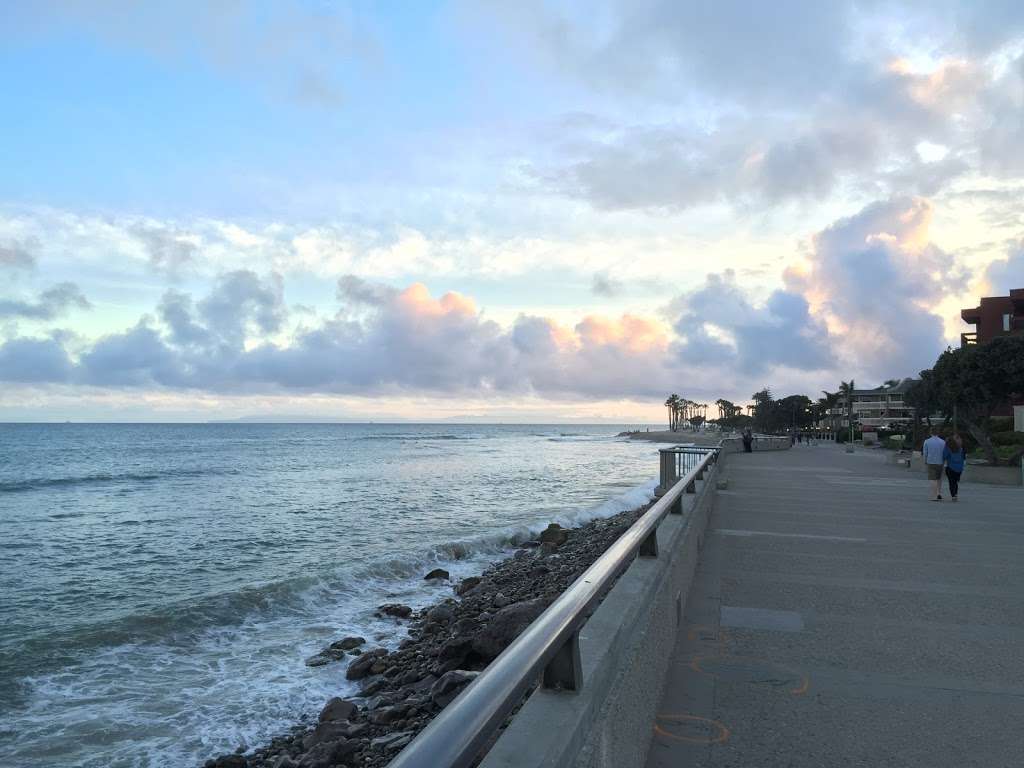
(932, 451)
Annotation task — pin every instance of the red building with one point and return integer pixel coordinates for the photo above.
(994, 316)
(998, 316)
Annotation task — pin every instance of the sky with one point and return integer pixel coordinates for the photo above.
(491, 211)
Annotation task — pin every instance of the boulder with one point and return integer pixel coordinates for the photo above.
(227, 761)
(467, 584)
(506, 625)
(363, 665)
(437, 573)
(395, 609)
(329, 754)
(441, 614)
(338, 709)
(325, 732)
(449, 685)
(347, 643)
(500, 601)
(554, 534)
(456, 648)
(388, 715)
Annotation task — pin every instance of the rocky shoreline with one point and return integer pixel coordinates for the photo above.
(449, 643)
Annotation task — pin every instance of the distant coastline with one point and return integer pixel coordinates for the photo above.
(665, 436)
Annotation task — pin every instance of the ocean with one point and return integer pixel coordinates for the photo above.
(162, 584)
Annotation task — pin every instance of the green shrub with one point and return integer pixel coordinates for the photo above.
(1008, 437)
(1000, 424)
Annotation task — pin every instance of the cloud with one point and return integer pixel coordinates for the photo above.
(16, 255)
(719, 325)
(49, 305)
(863, 302)
(170, 251)
(35, 361)
(877, 279)
(1006, 274)
(603, 284)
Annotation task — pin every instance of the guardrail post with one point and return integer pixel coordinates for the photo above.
(565, 670)
(677, 506)
(691, 487)
(649, 547)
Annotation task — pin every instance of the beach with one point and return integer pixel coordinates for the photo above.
(676, 438)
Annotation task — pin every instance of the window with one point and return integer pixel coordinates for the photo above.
(1007, 322)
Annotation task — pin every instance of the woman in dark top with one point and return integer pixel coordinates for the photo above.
(953, 455)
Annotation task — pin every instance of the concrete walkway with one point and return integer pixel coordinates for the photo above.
(840, 618)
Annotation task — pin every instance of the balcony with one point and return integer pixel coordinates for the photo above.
(968, 339)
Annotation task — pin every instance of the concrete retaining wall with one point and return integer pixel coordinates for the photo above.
(976, 473)
(625, 648)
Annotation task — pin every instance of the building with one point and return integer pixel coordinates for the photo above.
(879, 407)
(994, 316)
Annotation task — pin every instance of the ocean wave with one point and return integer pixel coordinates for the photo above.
(361, 587)
(416, 437)
(100, 478)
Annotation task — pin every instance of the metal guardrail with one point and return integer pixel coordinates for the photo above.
(549, 648)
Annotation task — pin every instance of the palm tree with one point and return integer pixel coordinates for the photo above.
(846, 390)
(828, 404)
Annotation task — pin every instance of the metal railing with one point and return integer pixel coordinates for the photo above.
(548, 648)
(678, 461)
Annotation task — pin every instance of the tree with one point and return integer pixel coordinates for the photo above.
(763, 409)
(672, 403)
(846, 389)
(977, 379)
(827, 405)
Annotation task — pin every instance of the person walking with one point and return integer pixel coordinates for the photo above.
(954, 457)
(748, 441)
(933, 452)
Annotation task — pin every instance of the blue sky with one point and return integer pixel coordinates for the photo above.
(531, 211)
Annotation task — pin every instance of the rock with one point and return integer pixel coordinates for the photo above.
(532, 544)
(500, 601)
(318, 660)
(372, 687)
(325, 732)
(377, 702)
(437, 573)
(284, 761)
(363, 665)
(444, 691)
(467, 584)
(347, 643)
(441, 614)
(328, 754)
(228, 761)
(393, 741)
(506, 626)
(554, 534)
(548, 548)
(422, 685)
(388, 715)
(395, 609)
(338, 709)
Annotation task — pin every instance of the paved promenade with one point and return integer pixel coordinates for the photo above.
(840, 618)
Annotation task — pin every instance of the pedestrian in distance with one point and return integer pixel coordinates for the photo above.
(954, 457)
(933, 451)
(748, 441)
